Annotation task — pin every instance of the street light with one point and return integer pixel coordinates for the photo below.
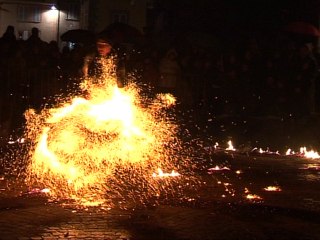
(55, 8)
(54, 15)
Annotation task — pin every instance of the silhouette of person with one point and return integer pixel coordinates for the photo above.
(9, 35)
(34, 39)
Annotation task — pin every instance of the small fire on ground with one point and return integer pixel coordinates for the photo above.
(304, 153)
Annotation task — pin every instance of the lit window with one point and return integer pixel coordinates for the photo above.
(73, 12)
(29, 13)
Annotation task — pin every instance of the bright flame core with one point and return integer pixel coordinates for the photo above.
(103, 147)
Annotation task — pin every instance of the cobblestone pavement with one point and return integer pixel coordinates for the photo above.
(218, 209)
(34, 218)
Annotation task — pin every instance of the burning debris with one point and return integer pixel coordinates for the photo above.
(161, 174)
(304, 153)
(272, 189)
(252, 196)
(230, 146)
(217, 168)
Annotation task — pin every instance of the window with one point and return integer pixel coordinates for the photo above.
(120, 16)
(29, 13)
(73, 12)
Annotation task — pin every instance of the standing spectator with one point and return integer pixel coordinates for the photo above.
(9, 35)
(286, 65)
(36, 50)
(7, 45)
(54, 55)
(170, 71)
(231, 82)
(306, 72)
(270, 86)
(34, 38)
(150, 68)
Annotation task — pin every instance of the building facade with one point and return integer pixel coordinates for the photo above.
(52, 18)
(55, 17)
(103, 13)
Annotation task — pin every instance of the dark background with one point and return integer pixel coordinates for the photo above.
(232, 18)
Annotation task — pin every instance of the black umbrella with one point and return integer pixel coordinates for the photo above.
(122, 33)
(78, 36)
(303, 28)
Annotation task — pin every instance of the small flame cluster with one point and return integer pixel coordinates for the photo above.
(104, 146)
(310, 154)
(304, 153)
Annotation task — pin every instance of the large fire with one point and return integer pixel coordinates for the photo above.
(104, 146)
(112, 145)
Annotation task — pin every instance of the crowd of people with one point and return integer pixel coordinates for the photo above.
(276, 79)
(253, 79)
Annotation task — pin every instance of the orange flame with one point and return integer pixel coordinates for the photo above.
(309, 154)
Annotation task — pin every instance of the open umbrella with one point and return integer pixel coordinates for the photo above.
(78, 36)
(122, 33)
(303, 28)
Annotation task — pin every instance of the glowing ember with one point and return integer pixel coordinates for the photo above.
(289, 152)
(230, 146)
(272, 189)
(261, 151)
(253, 197)
(308, 167)
(37, 190)
(217, 168)
(19, 140)
(161, 174)
(45, 190)
(167, 99)
(104, 146)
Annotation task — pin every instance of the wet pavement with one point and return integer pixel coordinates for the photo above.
(229, 202)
